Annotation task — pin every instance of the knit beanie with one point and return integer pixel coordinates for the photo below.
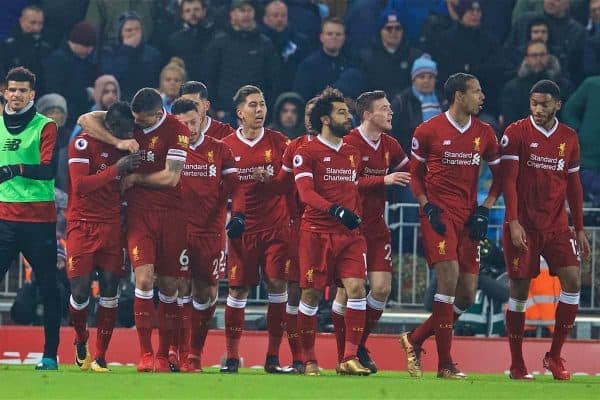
(422, 65)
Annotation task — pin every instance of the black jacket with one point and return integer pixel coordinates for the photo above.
(236, 58)
(188, 43)
(408, 115)
(27, 50)
(389, 71)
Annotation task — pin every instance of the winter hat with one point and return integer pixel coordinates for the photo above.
(52, 100)
(386, 17)
(99, 86)
(83, 34)
(422, 65)
(239, 3)
(465, 5)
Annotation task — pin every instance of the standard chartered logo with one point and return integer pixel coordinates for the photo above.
(561, 165)
(212, 170)
(476, 159)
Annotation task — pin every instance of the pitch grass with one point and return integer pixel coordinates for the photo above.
(22, 382)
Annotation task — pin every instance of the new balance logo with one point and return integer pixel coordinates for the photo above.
(238, 158)
(534, 145)
(11, 145)
(447, 143)
(326, 159)
(104, 155)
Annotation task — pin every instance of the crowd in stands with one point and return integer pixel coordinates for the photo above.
(87, 54)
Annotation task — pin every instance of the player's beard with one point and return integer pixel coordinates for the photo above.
(338, 130)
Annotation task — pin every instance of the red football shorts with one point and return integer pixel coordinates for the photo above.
(559, 249)
(269, 250)
(93, 245)
(327, 258)
(292, 267)
(207, 257)
(454, 245)
(379, 248)
(159, 238)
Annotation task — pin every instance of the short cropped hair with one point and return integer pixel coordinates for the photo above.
(365, 101)
(21, 74)
(194, 87)
(242, 94)
(546, 86)
(324, 106)
(146, 100)
(456, 83)
(332, 20)
(181, 106)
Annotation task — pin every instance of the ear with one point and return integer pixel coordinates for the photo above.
(33, 95)
(558, 105)
(325, 120)
(207, 105)
(239, 114)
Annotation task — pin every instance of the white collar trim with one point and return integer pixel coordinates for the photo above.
(159, 123)
(329, 144)
(374, 145)
(207, 127)
(455, 124)
(250, 143)
(199, 142)
(543, 130)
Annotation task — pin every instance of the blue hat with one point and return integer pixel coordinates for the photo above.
(422, 65)
(386, 17)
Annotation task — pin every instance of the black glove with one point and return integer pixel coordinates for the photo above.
(8, 172)
(345, 216)
(128, 163)
(433, 215)
(236, 225)
(478, 223)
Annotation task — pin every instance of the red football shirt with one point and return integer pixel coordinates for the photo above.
(167, 140)
(378, 159)
(452, 156)
(326, 174)
(94, 191)
(545, 159)
(208, 162)
(217, 129)
(295, 206)
(264, 209)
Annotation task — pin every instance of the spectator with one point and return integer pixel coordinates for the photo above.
(387, 63)
(591, 51)
(324, 66)
(288, 112)
(291, 45)
(54, 106)
(537, 65)
(239, 56)
(60, 16)
(418, 102)
(26, 45)
(567, 35)
(581, 113)
(134, 63)
(171, 78)
(362, 20)
(441, 18)
(466, 47)
(577, 9)
(106, 93)
(192, 39)
(306, 18)
(105, 16)
(11, 10)
(71, 69)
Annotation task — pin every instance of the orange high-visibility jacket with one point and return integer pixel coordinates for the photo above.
(542, 300)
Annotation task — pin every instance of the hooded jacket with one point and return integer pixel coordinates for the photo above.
(298, 129)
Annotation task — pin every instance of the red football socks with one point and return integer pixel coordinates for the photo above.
(292, 332)
(564, 320)
(339, 328)
(200, 324)
(185, 327)
(443, 323)
(515, 325)
(307, 327)
(371, 319)
(167, 323)
(355, 325)
(276, 322)
(143, 309)
(79, 316)
(234, 325)
(105, 323)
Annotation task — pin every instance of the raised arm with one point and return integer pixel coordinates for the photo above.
(93, 124)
